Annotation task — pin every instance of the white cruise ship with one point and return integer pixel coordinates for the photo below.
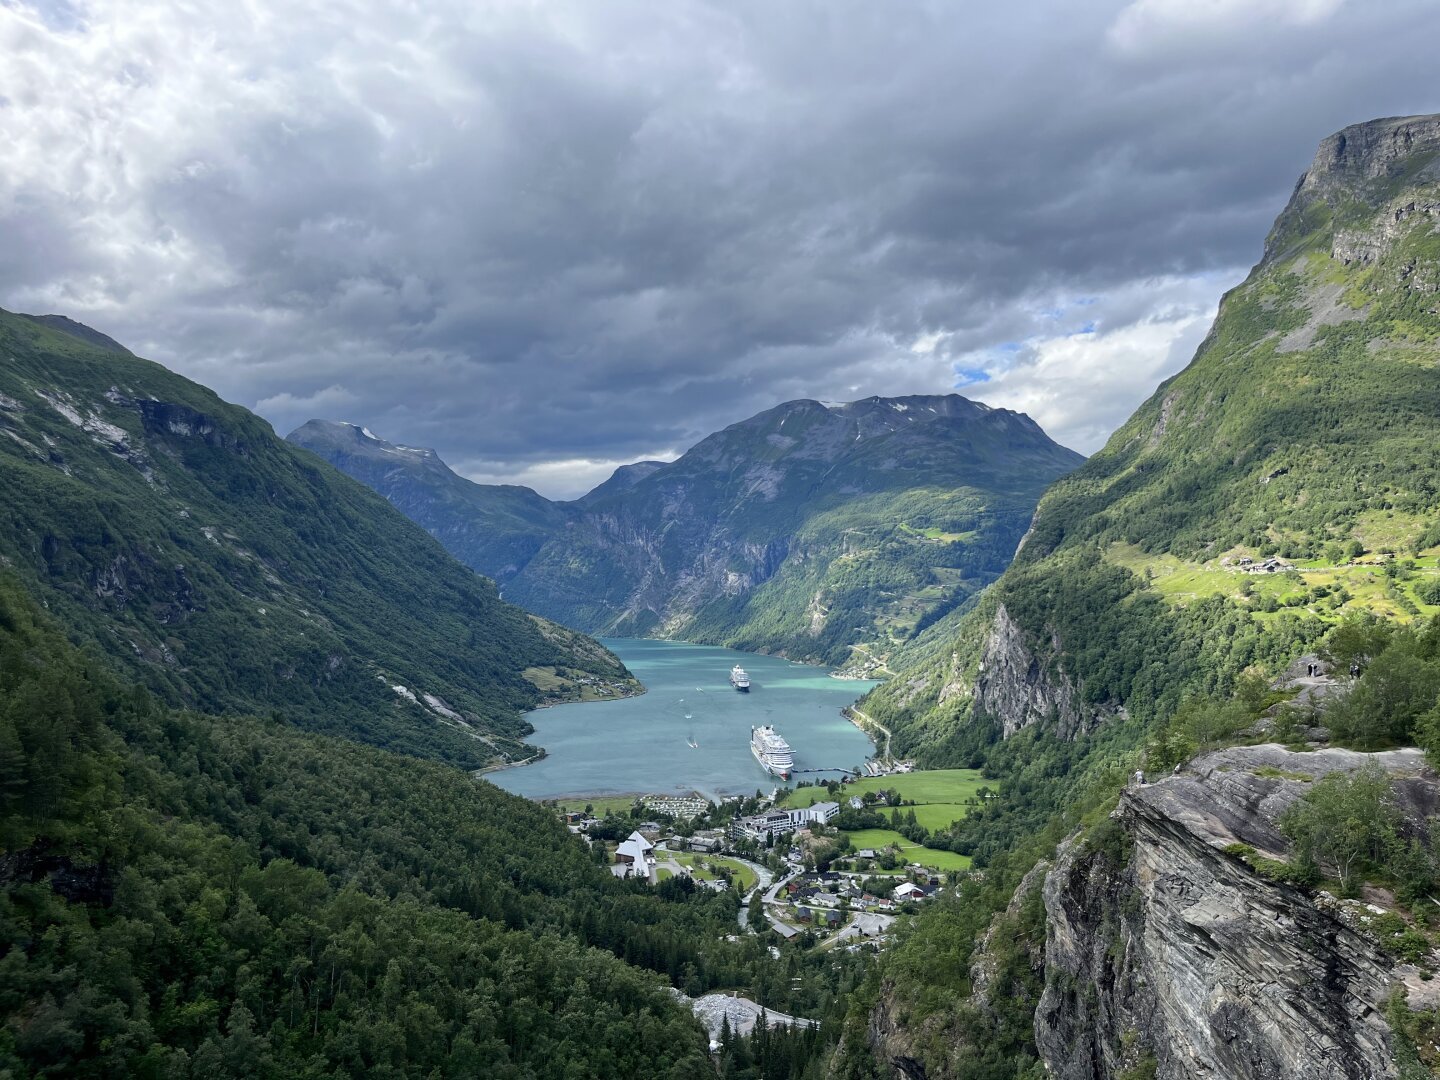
(739, 679)
(771, 751)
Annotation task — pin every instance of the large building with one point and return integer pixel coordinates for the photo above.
(824, 812)
(763, 826)
(775, 822)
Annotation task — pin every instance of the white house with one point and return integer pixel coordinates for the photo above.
(909, 891)
(820, 811)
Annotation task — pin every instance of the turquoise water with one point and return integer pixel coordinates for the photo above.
(641, 744)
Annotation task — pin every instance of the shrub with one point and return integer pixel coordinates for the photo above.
(1343, 823)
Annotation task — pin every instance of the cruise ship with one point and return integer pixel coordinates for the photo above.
(739, 680)
(771, 751)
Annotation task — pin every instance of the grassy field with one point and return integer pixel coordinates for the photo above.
(936, 860)
(1182, 582)
(742, 876)
(599, 804)
(940, 799)
(948, 787)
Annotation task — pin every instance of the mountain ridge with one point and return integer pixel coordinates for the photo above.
(228, 571)
(1270, 510)
(743, 539)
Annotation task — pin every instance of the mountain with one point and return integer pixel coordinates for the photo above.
(231, 572)
(1303, 431)
(1278, 497)
(493, 528)
(188, 895)
(805, 530)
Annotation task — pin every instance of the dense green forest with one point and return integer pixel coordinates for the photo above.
(229, 571)
(187, 896)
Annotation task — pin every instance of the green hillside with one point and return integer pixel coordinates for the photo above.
(1304, 431)
(1139, 622)
(805, 530)
(229, 571)
(493, 528)
(185, 896)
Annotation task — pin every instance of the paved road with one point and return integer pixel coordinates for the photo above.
(772, 889)
(866, 721)
(865, 925)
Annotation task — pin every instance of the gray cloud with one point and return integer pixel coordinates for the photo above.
(548, 238)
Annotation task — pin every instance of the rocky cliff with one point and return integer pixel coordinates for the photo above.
(1020, 687)
(1165, 950)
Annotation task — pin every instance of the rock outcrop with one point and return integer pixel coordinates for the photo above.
(1163, 948)
(1019, 688)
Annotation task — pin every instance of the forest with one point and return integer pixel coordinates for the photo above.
(193, 896)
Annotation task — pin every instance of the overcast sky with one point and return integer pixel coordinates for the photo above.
(547, 238)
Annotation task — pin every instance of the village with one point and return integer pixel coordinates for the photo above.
(795, 873)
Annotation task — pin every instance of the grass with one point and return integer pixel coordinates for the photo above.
(943, 786)
(940, 797)
(910, 852)
(1182, 582)
(599, 804)
(550, 680)
(742, 876)
(934, 533)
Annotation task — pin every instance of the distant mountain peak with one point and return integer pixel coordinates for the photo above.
(344, 433)
(778, 532)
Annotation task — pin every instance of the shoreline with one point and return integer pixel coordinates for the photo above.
(641, 689)
(543, 753)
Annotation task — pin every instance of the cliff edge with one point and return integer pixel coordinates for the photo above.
(1166, 950)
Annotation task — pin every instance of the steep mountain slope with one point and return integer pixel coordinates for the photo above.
(231, 572)
(187, 896)
(804, 530)
(1304, 431)
(493, 528)
(1188, 933)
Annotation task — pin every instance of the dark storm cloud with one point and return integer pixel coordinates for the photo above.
(541, 236)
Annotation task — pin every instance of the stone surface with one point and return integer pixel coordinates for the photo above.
(1021, 688)
(1183, 952)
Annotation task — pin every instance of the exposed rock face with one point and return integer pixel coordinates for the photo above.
(890, 1040)
(1370, 151)
(1366, 160)
(1019, 688)
(1184, 953)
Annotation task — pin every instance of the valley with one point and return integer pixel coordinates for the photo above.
(642, 744)
(1108, 768)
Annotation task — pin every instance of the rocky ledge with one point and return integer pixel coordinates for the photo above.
(1165, 952)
